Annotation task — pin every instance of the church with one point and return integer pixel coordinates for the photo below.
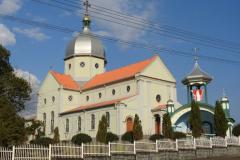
(74, 101)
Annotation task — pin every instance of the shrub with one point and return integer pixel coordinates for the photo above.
(111, 137)
(45, 141)
(155, 137)
(128, 136)
(236, 130)
(179, 135)
(81, 138)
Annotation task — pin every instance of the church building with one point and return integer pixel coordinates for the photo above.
(74, 101)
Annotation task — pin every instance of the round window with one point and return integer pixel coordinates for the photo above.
(53, 99)
(70, 98)
(87, 98)
(158, 98)
(113, 92)
(96, 65)
(99, 95)
(82, 64)
(128, 88)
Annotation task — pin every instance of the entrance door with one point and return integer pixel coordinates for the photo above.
(129, 124)
(157, 124)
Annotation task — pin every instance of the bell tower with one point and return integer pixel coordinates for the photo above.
(196, 83)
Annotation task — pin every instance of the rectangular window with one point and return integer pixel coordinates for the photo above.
(79, 124)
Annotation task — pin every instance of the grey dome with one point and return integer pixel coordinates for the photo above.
(197, 75)
(85, 44)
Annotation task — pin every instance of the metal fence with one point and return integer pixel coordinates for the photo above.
(68, 150)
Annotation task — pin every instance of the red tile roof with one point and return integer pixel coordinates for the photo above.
(96, 105)
(160, 107)
(65, 80)
(118, 74)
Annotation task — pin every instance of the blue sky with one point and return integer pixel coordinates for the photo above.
(35, 49)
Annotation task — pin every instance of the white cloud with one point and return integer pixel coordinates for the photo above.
(34, 33)
(10, 6)
(136, 9)
(34, 82)
(6, 36)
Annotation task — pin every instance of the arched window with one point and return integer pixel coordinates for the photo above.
(99, 94)
(67, 125)
(113, 92)
(53, 99)
(52, 122)
(108, 118)
(44, 122)
(129, 124)
(87, 98)
(92, 121)
(79, 123)
(69, 66)
(45, 101)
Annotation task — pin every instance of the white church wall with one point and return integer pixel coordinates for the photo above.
(159, 70)
(48, 101)
(106, 91)
(86, 122)
(68, 102)
(86, 71)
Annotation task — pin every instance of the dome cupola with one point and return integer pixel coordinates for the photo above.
(85, 43)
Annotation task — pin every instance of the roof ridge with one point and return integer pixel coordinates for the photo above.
(119, 73)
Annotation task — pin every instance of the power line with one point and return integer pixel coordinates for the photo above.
(152, 27)
(128, 43)
(111, 11)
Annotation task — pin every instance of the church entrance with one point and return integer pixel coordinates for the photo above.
(129, 124)
(157, 124)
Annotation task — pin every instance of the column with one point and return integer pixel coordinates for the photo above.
(205, 90)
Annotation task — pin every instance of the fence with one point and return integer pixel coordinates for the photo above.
(37, 152)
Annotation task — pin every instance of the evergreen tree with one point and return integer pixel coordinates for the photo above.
(102, 130)
(137, 128)
(56, 137)
(195, 120)
(167, 126)
(220, 120)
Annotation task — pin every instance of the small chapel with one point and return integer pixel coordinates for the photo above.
(74, 101)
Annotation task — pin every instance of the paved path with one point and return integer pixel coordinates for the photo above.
(222, 158)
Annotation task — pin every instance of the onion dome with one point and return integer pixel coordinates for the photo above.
(170, 102)
(85, 44)
(197, 75)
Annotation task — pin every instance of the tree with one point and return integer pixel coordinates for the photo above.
(137, 128)
(16, 90)
(195, 120)
(236, 130)
(167, 126)
(34, 127)
(220, 120)
(102, 130)
(56, 137)
(12, 126)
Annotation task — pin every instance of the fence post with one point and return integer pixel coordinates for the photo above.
(109, 149)
(134, 145)
(156, 145)
(194, 143)
(225, 139)
(211, 143)
(176, 144)
(13, 152)
(50, 152)
(82, 151)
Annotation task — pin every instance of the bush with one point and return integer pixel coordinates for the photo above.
(81, 138)
(155, 137)
(111, 137)
(236, 130)
(45, 141)
(179, 135)
(128, 136)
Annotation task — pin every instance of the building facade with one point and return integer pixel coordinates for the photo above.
(76, 100)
